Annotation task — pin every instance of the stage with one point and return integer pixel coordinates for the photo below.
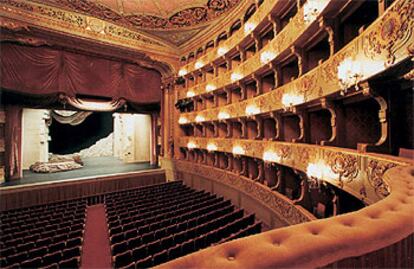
(93, 167)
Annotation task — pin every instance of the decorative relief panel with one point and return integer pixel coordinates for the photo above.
(76, 24)
(281, 205)
(323, 80)
(347, 168)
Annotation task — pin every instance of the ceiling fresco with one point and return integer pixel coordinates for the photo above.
(174, 21)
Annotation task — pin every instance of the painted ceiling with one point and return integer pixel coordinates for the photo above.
(174, 21)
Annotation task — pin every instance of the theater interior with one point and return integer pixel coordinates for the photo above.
(206, 134)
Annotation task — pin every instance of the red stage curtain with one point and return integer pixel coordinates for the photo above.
(13, 145)
(42, 70)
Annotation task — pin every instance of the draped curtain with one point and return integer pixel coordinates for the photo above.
(42, 70)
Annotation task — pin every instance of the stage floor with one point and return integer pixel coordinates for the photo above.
(99, 166)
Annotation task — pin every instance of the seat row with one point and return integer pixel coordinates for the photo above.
(163, 213)
(149, 206)
(25, 212)
(169, 235)
(43, 257)
(146, 201)
(158, 251)
(144, 190)
(29, 226)
(172, 218)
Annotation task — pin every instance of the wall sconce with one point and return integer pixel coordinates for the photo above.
(350, 72)
(210, 87)
(235, 77)
(221, 51)
(182, 72)
(316, 172)
(252, 109)
(190, 94)
(199, 118)
(312, 9)
(223, 115)
(191, 145)
(271, 157)
(290, 100)
(248, 27)
(211, 147)
(198, 64)
(182, 120)
(237, 151)
(267, 56)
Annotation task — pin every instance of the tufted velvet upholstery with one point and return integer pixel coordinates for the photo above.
(320, 242)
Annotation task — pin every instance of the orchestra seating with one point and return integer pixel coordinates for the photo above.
(48, 236)
(147, 226)
(152, 225)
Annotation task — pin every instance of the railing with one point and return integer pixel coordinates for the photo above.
(359, 174)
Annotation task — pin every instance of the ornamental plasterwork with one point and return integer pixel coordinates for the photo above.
(184, 16)
(394, 30)
(355, 175)
(79, 25)
(279, 204)
(344, 165)
(326, 73)
(376, 170)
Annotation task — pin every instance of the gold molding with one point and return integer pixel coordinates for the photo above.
(354, 171)
(55, 19)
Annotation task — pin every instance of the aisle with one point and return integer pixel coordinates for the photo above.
(96, 251)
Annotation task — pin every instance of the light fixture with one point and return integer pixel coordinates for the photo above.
(235, 77)
(221, 51)
(238, 150)
(182, 72)
(190, 94)
(270, 156)
(267, 56)
(198, 64)
(316, 172)
(191, 145)
(223, 115)
(252, 109)
(210, 87)
(290, 100)
(199, 118)
(350, 72)
(248, 27)
(211, 147)
(182, 120)
(312, 9)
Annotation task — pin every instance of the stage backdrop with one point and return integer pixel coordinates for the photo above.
(42, 70)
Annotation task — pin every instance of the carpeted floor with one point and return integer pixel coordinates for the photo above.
(92, 167)
(96, 251)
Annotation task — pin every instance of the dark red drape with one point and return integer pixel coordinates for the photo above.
(42, 70)
(13, 145)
